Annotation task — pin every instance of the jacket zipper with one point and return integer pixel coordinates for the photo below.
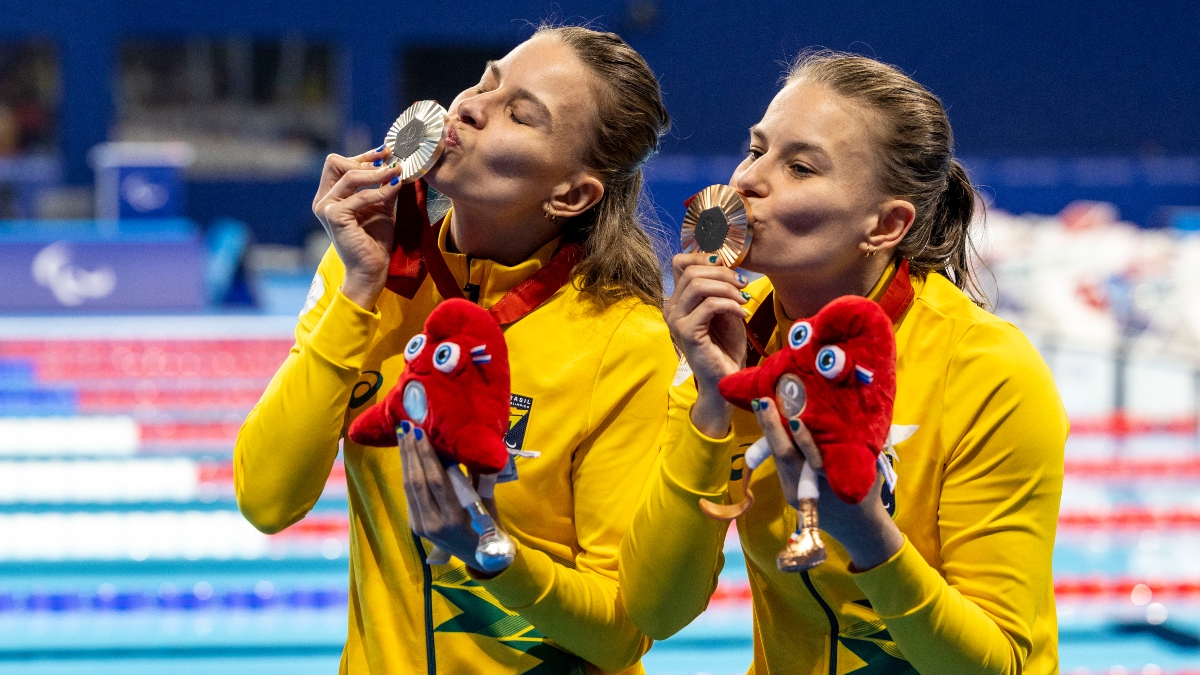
(427, 587)
(472, 290)
(833, 622)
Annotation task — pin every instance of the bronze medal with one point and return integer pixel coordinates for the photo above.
(790, 395)
(717, 221)
(417, 138)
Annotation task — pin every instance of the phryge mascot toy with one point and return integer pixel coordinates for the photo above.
(455, 388)
(836, 373)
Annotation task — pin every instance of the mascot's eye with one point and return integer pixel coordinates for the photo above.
(414, 347)
(799, 334)
(445, 357)
(830, 361)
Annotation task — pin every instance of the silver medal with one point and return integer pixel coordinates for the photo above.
(417, 138)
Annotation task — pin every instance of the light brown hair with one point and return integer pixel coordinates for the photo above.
(916, 149)
(619, 259)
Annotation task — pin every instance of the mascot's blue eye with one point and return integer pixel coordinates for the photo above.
(830, 361)
(445, 357)
(799, 334)
(414, 347)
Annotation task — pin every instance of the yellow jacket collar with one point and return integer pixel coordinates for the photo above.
(492, 278)
(783, 323)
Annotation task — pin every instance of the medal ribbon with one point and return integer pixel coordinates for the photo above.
(416, 254)
(895, 300)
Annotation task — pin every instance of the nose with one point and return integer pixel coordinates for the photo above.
(471, 111)
(749, 179)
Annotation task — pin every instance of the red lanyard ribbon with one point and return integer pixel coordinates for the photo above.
(416, 254)
(895, 300)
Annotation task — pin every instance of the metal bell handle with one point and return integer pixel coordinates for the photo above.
(496, 550)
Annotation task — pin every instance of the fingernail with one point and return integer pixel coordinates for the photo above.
(379, 162)
(794, 424)
(417, 433)
(741, 279)
(745, 295)
(405, 427)
(754, 404)
(712, 259)
(379, 149)
(395, 180)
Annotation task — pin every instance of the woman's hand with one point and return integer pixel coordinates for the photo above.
(360, 219)
(865, 529)
(434, 511)
(707, 320)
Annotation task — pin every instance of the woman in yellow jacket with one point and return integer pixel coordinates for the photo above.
(849, 173)
(546, 151)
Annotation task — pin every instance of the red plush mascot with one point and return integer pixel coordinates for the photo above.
(454, 389)
(836, 373)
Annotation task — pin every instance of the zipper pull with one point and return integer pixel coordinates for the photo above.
(472, 290)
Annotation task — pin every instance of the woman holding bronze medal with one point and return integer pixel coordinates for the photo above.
(852, 190)
(541, 163)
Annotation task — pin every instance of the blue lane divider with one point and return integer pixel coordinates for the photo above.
(16, 371)
(132, 601)
(25, 401)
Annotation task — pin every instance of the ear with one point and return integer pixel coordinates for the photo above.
(574, 198)
(895, 218)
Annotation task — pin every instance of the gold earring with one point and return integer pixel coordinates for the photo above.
(551, 214)
(871, 250)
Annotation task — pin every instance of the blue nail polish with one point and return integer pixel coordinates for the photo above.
(741, 279)
(405, 427)
(417, 433)
(395, 180)
(379, 149)
(378, 162)
(794, 424)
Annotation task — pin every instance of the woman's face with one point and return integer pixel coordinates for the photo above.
(810, 181)
(518, 137)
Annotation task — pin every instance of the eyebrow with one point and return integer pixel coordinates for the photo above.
(795, 146)
(522, 94)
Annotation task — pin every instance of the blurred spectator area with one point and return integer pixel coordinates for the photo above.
(253, 109)
(1091, 93)
(29, 96)
(29, 82)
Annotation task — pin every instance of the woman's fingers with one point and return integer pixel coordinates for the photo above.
(416, 489)
(682, 261)
(372, 155)
(788, 460)
(701, 317)
(699, 289)
(439, 482)
(356, 179)
(363, 200)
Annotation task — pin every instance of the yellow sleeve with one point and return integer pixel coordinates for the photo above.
(581, 609)
(289, 441)
(1004, 429)
(671, 556)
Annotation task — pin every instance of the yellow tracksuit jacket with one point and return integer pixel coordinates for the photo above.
(979, 431)
(589, 392)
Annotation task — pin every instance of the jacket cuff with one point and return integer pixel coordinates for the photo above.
(902, 585)
(344, 332)
(526, 581)
(694, 462)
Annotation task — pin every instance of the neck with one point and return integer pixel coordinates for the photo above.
(803, 295)
(505, 238)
